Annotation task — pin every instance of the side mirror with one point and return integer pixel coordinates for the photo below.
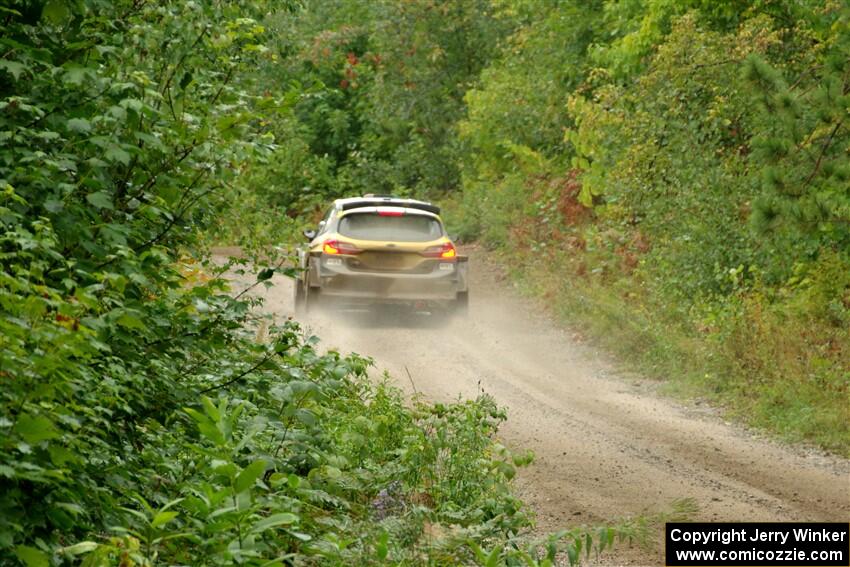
(309, 234)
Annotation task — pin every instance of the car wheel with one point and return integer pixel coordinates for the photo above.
(311, 299)
(299, 297)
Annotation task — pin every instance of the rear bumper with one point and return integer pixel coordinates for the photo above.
(388, 287)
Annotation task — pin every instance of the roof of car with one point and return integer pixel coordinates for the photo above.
(385, 201)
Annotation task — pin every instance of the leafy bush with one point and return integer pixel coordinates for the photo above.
(141, 421)
(705, 143)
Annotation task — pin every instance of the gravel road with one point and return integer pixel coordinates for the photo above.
(606, 444)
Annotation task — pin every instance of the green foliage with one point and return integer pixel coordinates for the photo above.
(520, 101)
(380, 89)
(683, 165)
(141, 422)
(119, 123)
(803, 143)
(420, 83)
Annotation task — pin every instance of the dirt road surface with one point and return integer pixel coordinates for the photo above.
(606, 445)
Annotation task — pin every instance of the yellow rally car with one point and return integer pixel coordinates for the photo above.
(381, 250)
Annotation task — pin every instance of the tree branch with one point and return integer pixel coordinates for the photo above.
(822, 153)
(240, 375)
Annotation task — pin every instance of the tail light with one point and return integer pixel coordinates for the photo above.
(338, 247)
(444, 251)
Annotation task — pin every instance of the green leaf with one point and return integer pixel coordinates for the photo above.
(332, 472)
(210, 409)
(35, 429)
(55, 11)
(118, 113)
(76, 75)
(281, 519)
(249, 475)
(493, 557)
(100, 199)
(265, 274)
(163, 518)
(80, 125)
(206, 426)
(31, 556)
(306, 417)
(14, 68)
(479, 553)
(603, 539)
(222, 512)
(96, 162)
(294, 481)
(133, 104)
(381, 547)
(79, 548)
(130, 321)
(74, 509)
(60, 456)
(116, 154)
(508, 470)
(150, 140)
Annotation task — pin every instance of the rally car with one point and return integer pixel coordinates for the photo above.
(375, 250)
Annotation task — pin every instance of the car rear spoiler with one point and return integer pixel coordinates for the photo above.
(406, 203)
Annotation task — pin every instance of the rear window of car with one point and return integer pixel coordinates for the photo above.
(406, 228)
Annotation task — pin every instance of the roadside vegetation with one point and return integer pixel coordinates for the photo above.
(670, 176)
(142, 422)
(676, 174)
(674, 178)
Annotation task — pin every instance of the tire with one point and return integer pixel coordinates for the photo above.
(311, 299)
(461, 304)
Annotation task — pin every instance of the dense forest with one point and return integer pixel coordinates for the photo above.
(676, 174)
(670, 175)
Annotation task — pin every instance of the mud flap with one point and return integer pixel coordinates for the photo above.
(462, 272)
(313, 276)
